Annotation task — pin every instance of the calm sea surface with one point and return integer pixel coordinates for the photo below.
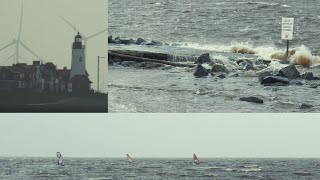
(103, 168)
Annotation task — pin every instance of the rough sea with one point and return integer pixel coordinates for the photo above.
(104, 168)
(191, 28)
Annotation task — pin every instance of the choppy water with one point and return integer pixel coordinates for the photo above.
(100, 168)
(212, 26)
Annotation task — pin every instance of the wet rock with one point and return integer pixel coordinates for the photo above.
(305, 106)
(316, 78)
(252, 99)
(234, 75)
(140, 41)
(246, 65)
(218, 68)
(204, 58)
(110, 40)
(284, 62)
(264, 74)
(154, 43)
(313, 85)
(290, 72)
(295, 82)
(274, 81)
(219, 75)
(307, 76)
(124, 41)
(127, 63)
(200, 72)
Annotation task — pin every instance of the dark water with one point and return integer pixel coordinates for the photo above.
(216, 23)
(213, 26)
(98, 169)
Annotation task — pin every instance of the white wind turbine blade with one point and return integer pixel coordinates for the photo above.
(19, 34)
(30, 50)
(97, 34)
(73, 27)
(8, 45)
(21, 18)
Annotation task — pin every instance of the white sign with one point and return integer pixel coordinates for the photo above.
(287, 28)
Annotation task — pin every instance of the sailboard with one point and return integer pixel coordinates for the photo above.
(195, 159)
(59, 159)
(129, 158)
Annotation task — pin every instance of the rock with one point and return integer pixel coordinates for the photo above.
(127, 63)
(252, 99)
(316, 78)
(234, 75)
(220, 75)
(290, 72)
(305, 106)
(124, 41)
(284, 62)
(154, 43)
(246, 65)
(218, 68)
(313, 85)
(110, 40)
(307, 76)
(295, 82)
(264, 74)
(140, 41)
(274, 80)
(200, 72)
(204, 58)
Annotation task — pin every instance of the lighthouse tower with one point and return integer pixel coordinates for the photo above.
(78, 64)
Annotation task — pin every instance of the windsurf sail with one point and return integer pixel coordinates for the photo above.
(195, 159)
(59, 159)
(129, 158)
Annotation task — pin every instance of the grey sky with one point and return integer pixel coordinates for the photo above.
(160, 135)
(48, 36)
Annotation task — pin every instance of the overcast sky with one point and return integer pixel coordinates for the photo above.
(48, 35)
(160, 135)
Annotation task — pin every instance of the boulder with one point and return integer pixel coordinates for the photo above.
(313, 85)
(204, 58)
(140, 41)
(124, 41)
(252, 99)
(154, 43)
(305, 106)
(110, 40)
(221, 75)
(200, 72)
(274, 80)
(307, 76)
(296, 82)
(218, 68)
(290, 72)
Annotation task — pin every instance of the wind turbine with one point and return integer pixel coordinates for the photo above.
(85, 39)
(18, 42)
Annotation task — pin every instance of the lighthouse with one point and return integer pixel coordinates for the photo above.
(79, 81)
(78, 63)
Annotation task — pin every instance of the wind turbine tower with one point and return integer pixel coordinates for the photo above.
(18, 42)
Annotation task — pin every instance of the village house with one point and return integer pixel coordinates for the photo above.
(40, 77)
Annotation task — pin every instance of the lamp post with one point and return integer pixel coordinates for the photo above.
(98, 72)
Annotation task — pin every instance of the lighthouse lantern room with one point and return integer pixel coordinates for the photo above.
(78, 64)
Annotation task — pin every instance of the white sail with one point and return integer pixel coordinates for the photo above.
(60, 159)
(195, 159)
(129, 158)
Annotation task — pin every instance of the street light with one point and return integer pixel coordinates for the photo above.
(98, 72)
